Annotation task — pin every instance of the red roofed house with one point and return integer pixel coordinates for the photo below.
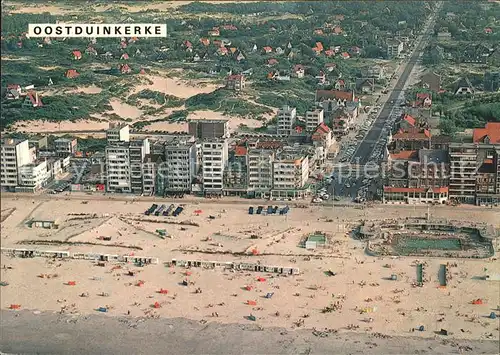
(330, 53)
(235, 82)
(337, 30)
(91, 50)
(123, 44)
(214, 32)
(188, 45)
(407, 122)
(490, 134)
(223, 51)
(124, 56)
(423, 100)
(205, 41)
(230, 27)
(240, 151)
(340, 84)
(77, 55)
(71, 74)
(142, 71)
(272, 61)
(267, 49)
(124, 68)
(488, 30)
(32, 100)
(337, 95)
(339, 17)
(345, 55)
(412, 139)
(323, 136)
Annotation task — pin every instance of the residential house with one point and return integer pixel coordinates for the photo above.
(229, 27)
(32, 100)
(323, 141)
(443, 34)
(478, 53)
(188, 46)
(337, 95)
(240, 57)
(267, 49)
(318, 48)
(235, 82)
(279, 51)
(14, 91)
(123, 45)
(125, 68)
(254, 48)
(196, 58)
(432, 81)
(488, 30)
(345, 55)
(365, 86)
(272, 61)
(205, 41)
(321, 78)
(330, 53)
(423, 100)
(290, 175)
(65, 147)
(355, 50)
(298, 71)
(222, 51)
(91, 51)
(124, 56)
(330, 66)
(464, 87)
(71, 74)
(77, 55)
(337, 30)
(406, 123)
(214, 32)
(340, 84)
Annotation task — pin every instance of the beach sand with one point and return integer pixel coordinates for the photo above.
(395, 307)
(47, 333)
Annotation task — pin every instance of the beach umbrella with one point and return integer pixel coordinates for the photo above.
(156, 305)
(71, 283)
(261, 279)
(198, 211)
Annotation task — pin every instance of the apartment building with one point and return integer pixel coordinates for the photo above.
(181, 165)
(290, 175)
(14, 154)
(214, 155)
(463, 166)
(208, 129)
(65, 147)
(394, 48)
(260, 171)
(313, 119)
(286, 119)
(118, 171)
(417, 177)
(236, 172)
(138, 149)
(33, 176)
(118, 133)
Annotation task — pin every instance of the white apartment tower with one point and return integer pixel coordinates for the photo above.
(286, 119)
(118, 168)
(15, 153)
(290, 173)
(313, 119)
(181, 165)
(214, 156)
(260, 171)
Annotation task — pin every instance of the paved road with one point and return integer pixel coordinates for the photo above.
(365, 149)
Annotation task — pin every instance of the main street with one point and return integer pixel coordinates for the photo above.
(367, 145)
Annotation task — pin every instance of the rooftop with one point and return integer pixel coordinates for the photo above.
(433, 156)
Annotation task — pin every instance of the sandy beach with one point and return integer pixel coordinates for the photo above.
(365, 298)
(46, 333)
